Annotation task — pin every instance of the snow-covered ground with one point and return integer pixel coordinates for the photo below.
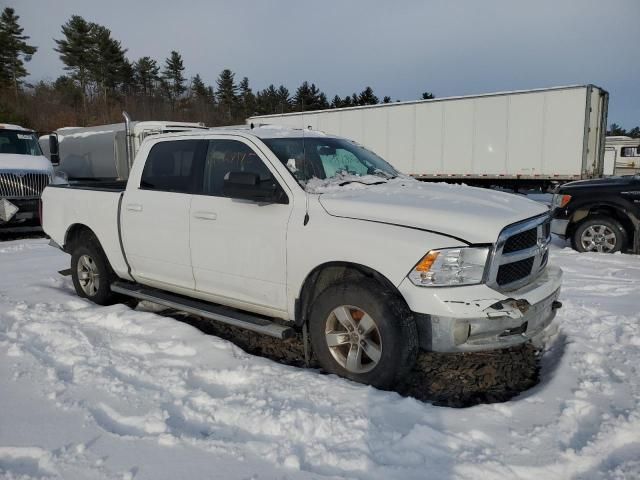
(91, 392)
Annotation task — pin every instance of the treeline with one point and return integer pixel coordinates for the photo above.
(101, 81)
(616, 129)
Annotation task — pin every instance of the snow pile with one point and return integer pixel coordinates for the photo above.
(106, 392)
(342, 182)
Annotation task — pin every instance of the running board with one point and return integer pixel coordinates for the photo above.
(211, 311)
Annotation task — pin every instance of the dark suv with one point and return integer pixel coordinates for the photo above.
(600, 215)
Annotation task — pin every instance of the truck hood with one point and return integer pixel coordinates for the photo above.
(11, 161)
(601, 182)
(475, 215)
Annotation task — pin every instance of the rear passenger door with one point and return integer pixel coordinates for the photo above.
(155, 214)
(238, 247)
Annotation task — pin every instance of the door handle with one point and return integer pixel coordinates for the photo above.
(205, 215)
(134, 207)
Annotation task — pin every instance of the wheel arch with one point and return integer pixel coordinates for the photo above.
(74, 233)
(329, 273)
(615, 211)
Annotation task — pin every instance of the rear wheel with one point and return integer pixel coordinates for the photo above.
(600, 234)
(92, 275)
(364, 333)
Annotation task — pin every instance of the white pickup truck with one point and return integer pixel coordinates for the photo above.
(276, 229)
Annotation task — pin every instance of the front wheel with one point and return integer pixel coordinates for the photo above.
(362, 332)
(600, 234)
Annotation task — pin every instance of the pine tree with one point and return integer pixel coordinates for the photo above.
(386, 99)
(634, 132)
(367, 97)
(616, 130)
(427, 96)
(173, 78)
(336, 102)
(247, 98)
(14, 51)
(267, 100)
(284, 99)
(198, 88)
(227, 93)
(76, 52)
(109, 61)
(146, 75)
(354, 99)
(347, 101)
(309, 97)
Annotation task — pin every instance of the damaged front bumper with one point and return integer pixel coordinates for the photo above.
(476, 317)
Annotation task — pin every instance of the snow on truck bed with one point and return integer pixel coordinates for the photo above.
(90, 392)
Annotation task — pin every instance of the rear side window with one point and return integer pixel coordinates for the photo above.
(171, 166)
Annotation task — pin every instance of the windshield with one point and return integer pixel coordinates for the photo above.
(19, 143)
(327, 158)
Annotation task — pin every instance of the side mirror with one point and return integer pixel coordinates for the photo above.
(54, 149)
(247, 186)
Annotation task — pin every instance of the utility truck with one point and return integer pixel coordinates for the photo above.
(276, 229)
(24, 173)
(528, 138)
(103, 152)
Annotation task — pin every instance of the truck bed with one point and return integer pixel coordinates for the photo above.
(96, 185)
(93, 204)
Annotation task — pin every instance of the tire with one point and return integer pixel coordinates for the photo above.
(91, 273)
(387, 328)
(599, 234)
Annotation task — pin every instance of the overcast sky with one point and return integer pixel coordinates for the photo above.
(400, 48)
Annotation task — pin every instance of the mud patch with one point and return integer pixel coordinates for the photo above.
(445, 379)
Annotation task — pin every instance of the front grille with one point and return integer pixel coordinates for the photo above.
(521, 254)
(22, 184)
(512, 272)
(521, 240)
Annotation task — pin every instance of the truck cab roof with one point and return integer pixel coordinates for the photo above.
(261, 132)
(8, 126)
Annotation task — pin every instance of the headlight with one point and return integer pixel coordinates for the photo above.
(560, 201)
(450, 266)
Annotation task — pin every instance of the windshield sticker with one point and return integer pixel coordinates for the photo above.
(22, 136)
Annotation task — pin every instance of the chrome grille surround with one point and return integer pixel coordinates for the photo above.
(538, 252)
(23, 183)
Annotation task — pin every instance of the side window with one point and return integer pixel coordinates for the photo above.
(630, 152)
(225, 156)
(337, 160)
(170, 166)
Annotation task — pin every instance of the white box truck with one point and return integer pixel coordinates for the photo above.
(519, 139)
(104, 152)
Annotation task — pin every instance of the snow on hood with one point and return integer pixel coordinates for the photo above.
(11, 161)
(476, 215)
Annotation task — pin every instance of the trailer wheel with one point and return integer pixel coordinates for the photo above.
(91, 274)
(598, 233)
(364, 333)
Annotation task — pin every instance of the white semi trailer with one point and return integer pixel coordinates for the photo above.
(521, 138)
